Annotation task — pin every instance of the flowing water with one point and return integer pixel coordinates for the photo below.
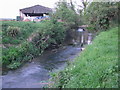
(35, 74)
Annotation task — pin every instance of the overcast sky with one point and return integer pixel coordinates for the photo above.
(10, 8)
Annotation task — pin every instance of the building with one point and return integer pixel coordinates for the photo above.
(35, 12)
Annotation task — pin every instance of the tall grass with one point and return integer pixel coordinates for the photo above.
(25, 30)
(95, 67)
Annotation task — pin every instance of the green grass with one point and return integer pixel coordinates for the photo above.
(26, 28)
(95, 67)
(18, 50)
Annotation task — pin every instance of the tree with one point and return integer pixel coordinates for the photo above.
(83, 6)
(101, 15)
(72, 6)
(66, 13)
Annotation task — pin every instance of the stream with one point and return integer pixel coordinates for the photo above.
(35, 74)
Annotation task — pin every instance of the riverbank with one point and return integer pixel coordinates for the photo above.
(95, 67)
(23, 41)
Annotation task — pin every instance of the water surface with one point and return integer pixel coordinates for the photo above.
(36, 73)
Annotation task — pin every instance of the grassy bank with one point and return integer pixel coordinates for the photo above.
(22, 41)
(95, 67)
(16, 32)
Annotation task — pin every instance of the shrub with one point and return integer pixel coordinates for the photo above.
(49, 33)
(14, 65)
(13, 31)
(14, 56)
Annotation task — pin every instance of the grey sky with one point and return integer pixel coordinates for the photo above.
(10, 8)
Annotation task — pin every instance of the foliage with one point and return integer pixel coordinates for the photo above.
(66, 13)
(95, 67)
(46, 33)
(13, 57)
(49, 33)
(101, 15)
(14, 65)
(13, 31)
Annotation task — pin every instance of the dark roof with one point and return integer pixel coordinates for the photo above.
(36, 9)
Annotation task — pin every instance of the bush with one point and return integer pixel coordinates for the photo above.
(14, 65)
(14, 56)
(13, 31)
(49, 33)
